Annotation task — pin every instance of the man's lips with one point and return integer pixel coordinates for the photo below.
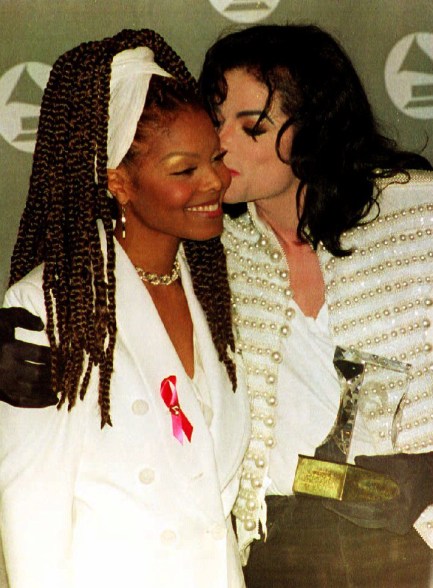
(233, 172)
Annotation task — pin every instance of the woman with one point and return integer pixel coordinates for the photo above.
(334, 249)
(130, 482)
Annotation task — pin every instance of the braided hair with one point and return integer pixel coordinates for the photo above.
(58, 227)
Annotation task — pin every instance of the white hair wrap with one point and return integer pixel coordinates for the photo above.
(131, 71)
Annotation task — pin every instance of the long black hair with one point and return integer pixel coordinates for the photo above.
(338, 152)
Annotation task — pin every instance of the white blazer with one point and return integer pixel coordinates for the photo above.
(129, 505)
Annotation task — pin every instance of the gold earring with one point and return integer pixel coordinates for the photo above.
(123, 221)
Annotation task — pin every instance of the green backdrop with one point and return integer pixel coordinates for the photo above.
(390, 42)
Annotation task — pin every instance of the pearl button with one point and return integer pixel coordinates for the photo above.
(146, 476)
(290, 313)
(249, 525)
(168, 537)
(140, 407)
(284, 330)
(257, 483)
(218, 532)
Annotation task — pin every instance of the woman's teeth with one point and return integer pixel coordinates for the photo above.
(205, 207)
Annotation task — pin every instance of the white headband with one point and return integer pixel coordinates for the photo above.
(131, 71)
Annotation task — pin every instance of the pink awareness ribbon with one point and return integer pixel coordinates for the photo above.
(179, 421)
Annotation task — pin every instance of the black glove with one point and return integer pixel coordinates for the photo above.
(24, 367)
(414, 475)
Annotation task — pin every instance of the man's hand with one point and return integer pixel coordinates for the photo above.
(414, 475)
(24, 367)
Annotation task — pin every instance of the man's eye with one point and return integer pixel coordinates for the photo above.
(220, 156)
(254, 131)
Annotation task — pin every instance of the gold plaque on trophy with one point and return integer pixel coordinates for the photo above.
(328, 474)
(342, 481)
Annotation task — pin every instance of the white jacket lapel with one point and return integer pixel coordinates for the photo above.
(141, 331)
(230, 424)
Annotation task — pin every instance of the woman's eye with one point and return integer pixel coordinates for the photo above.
(188, 171)
(254, 131)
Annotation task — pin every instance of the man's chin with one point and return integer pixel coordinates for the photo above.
(235, 198)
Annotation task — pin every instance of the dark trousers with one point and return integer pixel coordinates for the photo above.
(308, 546)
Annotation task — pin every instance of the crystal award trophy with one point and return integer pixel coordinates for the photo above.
(328, 474)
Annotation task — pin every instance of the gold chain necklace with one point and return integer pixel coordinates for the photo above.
(159, 280)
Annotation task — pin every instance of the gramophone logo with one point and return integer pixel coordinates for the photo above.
(245, 10)
(21, 91)
(409, 75)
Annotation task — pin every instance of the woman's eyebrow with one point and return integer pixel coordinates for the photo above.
(180, 155)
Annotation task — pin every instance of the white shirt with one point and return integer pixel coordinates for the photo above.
(308, 399)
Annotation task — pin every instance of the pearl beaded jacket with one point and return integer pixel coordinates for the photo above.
(380, 300)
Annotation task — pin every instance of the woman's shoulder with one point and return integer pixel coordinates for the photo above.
(27, 291)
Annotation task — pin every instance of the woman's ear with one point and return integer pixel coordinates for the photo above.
(117, 184)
